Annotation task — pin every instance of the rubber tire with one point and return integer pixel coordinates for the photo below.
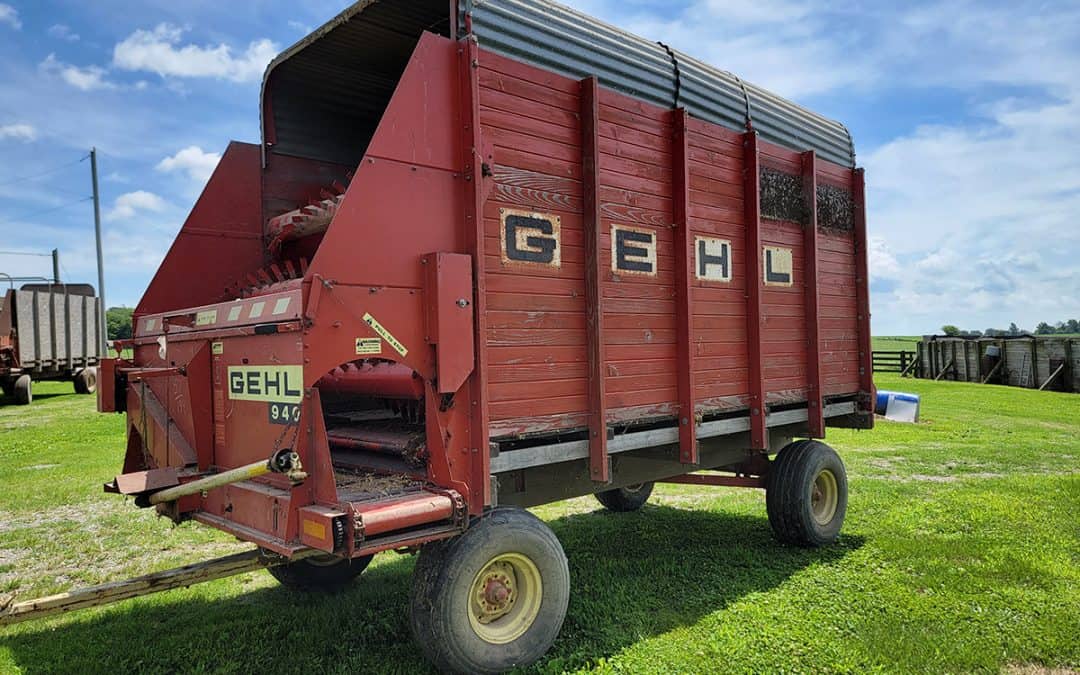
(624, 499)
(788, 490)
(304, 575)
(442, 583)
(23, 390)
(86, 381)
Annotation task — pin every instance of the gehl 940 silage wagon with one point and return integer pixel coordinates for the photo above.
(488, 256)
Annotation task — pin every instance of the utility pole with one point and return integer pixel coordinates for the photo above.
(102, 325)
(56, 266)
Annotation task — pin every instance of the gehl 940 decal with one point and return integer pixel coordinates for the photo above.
(535, 239)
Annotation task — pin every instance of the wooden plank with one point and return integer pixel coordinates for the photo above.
(992, 371)
(1070, 374)
(754, 315)
(815, 400)
(944, 370)
(599, 466)
(1034, 362)
(103, 594)
(686, 368)
(1052, 377)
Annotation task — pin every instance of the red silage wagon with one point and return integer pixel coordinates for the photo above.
(488, 257)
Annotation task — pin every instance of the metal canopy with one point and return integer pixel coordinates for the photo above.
(560, 39)
(326, 94)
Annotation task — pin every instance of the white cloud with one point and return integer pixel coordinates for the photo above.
(63, 32)
(130, 203)
(10, 16)
(198, 163)
(21, 132)
(88, 78)
(160, 51)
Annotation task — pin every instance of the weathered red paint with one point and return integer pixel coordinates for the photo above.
(685, 339)
(759, 434)
(815, 406)
(599, 467)
(862, 294)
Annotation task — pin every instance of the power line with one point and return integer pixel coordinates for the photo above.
(43, 173)
(41, 213)
(41, 255)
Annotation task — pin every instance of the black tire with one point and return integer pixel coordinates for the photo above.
(86, 381)
(324, 573)
(449, 622)
(23, 390)
(629, 498)
(806, 494)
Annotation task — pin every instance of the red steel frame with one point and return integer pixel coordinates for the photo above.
(472, 162)
(862, 292)
(685, 344)
(599, 466)
(759, 435)
(815, 408)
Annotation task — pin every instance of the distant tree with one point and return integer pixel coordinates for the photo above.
(1014, 329)
(1044, 329)
(971, 333)
(950, 330)
(118, 320)
(991, 332)
(1072, 326)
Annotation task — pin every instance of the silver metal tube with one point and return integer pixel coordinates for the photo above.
(283, 461)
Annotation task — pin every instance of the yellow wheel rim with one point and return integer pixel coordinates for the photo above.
(504, 599)
(824, 495)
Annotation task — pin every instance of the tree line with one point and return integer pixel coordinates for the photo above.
(1070, 327)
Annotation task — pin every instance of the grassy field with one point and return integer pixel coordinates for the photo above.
(961, 553)
(894, 343)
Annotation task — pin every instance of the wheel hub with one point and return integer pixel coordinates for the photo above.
(824, 497)
(505, 598)
(495, 592)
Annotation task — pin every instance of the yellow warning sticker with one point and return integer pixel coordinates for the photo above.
(385, 334)
(206, 318)
(369, 345)
(218, 348)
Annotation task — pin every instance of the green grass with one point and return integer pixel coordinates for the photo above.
(961, 553)
(894, 343)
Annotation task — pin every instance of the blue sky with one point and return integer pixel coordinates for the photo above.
(966, 116)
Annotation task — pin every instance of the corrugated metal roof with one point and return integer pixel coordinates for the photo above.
(329, 90)
(563, 40)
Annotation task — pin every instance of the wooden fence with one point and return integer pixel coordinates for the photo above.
(1034, 362)
(902, 361)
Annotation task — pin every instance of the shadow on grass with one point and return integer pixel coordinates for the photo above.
(633, 576)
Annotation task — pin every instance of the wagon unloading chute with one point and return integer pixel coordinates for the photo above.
(492, 256)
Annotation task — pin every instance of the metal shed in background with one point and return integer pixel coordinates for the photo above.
(1035, 362)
